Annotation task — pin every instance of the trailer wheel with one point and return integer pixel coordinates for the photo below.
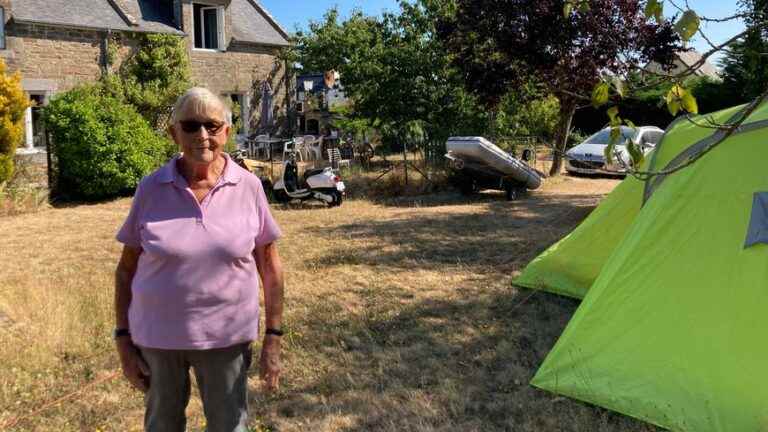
(467, 186)
(514, 192)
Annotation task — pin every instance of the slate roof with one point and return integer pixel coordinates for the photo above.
(253, 24)
(691, 57)
(97, 14)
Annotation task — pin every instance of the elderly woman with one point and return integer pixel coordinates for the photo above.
(197, 241)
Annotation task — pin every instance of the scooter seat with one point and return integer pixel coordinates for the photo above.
(310, 172)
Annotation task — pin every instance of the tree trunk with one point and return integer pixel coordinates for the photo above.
(567, 108)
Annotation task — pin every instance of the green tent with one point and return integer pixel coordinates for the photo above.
(671, 332)
(570, 266)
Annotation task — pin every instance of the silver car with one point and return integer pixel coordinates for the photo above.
(589, 156)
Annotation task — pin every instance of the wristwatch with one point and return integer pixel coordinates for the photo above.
(121, 332)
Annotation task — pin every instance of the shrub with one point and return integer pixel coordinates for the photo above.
(102, 146)
(647, 107)
(13, 102)
(153, 77)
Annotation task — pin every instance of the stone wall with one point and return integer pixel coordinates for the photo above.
(53, 59)
(66, 57)
(241, 68)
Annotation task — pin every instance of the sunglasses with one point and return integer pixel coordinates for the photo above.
(192, 126)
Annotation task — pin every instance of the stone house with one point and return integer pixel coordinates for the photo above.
(57, 44)
(316, 97)
(682, 62)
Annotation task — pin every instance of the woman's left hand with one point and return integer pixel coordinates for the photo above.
(269, 364)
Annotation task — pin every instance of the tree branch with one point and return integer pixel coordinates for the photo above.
(729, 129)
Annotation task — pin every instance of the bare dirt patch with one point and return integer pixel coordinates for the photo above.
(400, 316)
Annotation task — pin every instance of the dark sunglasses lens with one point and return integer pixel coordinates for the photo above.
(213, 127)
(190, 126)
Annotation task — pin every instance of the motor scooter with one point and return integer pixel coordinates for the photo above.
(255, 167)
(321, 184)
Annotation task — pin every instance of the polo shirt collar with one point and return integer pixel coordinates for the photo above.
(169, 174)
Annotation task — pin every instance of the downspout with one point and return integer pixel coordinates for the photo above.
(289, 111)
(105, 52)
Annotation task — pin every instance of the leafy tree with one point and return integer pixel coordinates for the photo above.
(153, 77)
(398, 72)
(647, 105)
(745, 65)
(13, 103)
(501, 43)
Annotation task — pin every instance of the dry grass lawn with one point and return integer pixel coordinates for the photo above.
(400, 316)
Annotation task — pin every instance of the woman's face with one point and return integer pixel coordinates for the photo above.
(201, 136)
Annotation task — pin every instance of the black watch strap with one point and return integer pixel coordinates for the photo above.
(273, 331)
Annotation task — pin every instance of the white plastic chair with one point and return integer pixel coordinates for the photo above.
(301, 147)
(334, 157)
(314, 146)
(257, 145)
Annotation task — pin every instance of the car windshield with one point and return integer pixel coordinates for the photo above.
(604, 136)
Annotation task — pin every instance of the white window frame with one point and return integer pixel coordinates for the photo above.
(29, 130)
(219, 25)
(2, 28)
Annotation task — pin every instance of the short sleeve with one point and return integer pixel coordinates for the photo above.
(268, 229)
(129, 232)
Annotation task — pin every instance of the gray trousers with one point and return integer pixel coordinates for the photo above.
(222, 379)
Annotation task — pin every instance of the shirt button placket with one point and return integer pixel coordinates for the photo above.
(200, 213)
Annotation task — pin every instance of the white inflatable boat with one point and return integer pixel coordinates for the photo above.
(478, 152)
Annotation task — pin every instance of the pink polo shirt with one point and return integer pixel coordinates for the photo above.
(196, 286)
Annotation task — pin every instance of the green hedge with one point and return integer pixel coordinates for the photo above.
(102, 146)
(648, 108)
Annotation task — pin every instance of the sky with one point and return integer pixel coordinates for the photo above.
(296, 14)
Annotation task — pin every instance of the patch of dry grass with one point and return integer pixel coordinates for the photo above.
(27, 191)
(400, 316)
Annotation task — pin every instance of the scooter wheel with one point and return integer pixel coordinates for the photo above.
(337, 199)
(280, 196)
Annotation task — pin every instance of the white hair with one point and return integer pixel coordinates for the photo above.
(200, 101)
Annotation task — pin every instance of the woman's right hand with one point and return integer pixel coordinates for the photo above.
(135, 369)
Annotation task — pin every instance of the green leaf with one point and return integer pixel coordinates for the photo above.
(568, 8)
(618, 84)
(635, 153)
(654, 8)
(630, 124)
(615, 134)
(674, 99)
(612, 113)
(689, 103)
(584, 6)
(608, 152)
(687, 25)
(600, 94)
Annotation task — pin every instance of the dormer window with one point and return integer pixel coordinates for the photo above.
(209, 26)
(2, 28)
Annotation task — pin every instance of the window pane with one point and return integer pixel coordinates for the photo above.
(2, 28)
(198, 26)
(210, 27)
